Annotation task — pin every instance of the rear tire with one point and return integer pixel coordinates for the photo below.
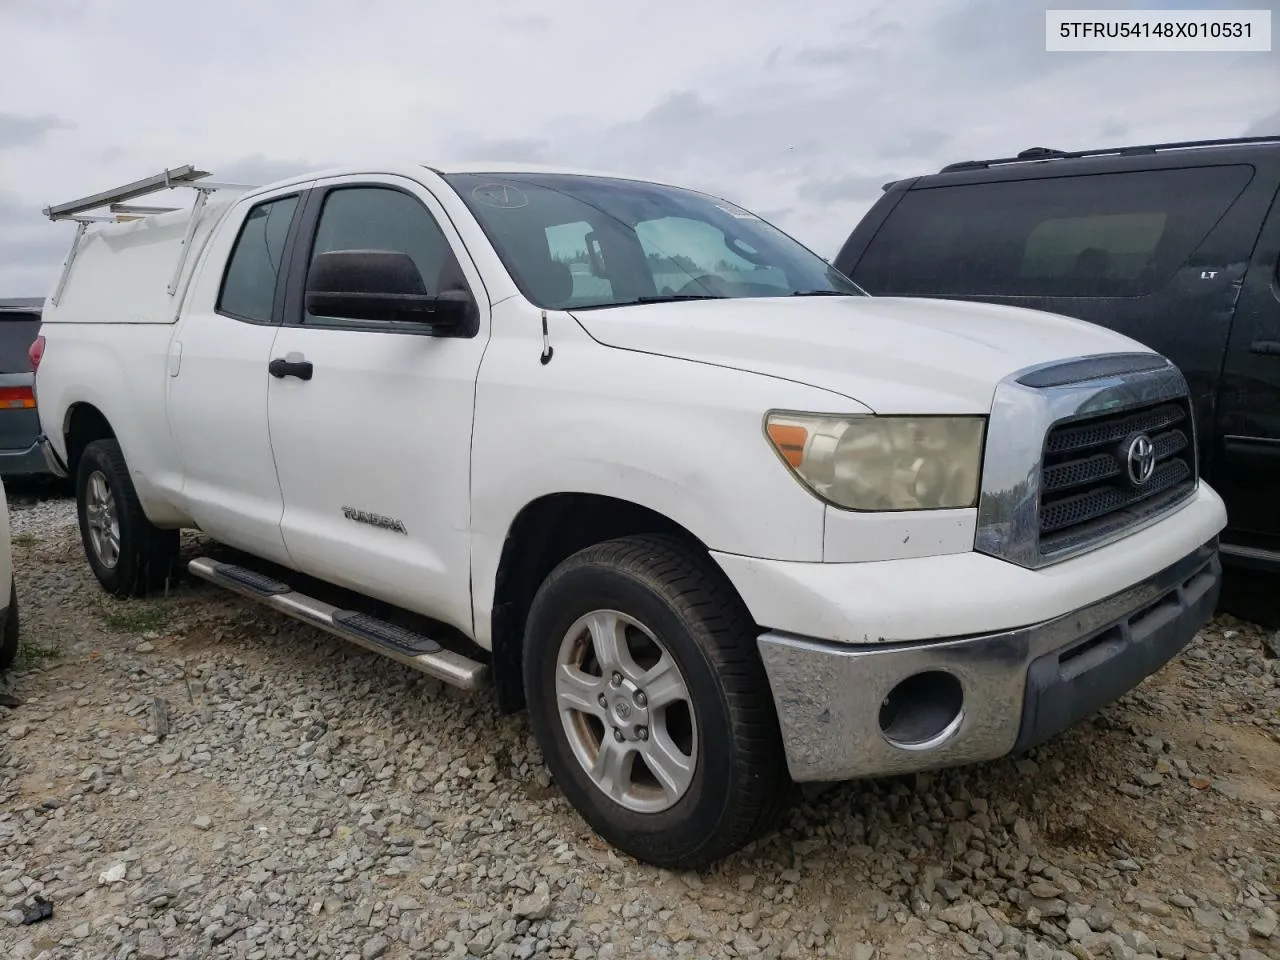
(129, 555)
(711, 776)
(9, 638)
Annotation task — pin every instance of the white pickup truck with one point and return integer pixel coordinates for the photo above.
(639, 461)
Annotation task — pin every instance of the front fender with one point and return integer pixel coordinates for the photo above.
(681, 438)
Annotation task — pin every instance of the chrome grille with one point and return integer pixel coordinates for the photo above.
(1085, 487)
(1056, 476)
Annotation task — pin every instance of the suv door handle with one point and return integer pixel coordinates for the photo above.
(281, 367)
(1265, 346)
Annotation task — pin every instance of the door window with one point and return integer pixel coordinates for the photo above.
(253, 270)
(383, 218)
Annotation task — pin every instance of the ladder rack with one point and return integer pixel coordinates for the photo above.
(120, 211)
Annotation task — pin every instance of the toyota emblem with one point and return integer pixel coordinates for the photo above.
(1141, 459)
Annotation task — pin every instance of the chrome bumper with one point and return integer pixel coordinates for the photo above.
(1019, 687)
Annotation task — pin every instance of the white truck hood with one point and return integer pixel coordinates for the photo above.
(892, 354)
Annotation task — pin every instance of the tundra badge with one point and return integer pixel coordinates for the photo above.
(374, 519)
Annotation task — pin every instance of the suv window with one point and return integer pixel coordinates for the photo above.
(249, 285)
(1100, 235)
(384, 218)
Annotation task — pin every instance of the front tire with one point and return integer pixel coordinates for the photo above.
(129, 555)
(652, 707)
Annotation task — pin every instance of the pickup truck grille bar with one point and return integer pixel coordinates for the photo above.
(1075, 462)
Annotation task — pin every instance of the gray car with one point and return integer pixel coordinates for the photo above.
(19, 425)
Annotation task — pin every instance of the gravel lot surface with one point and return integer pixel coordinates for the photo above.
(192, 776)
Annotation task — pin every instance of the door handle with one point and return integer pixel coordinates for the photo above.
(1271, 347)
(281, 367)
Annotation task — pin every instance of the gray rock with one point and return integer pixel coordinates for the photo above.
(1078, 929)
(1264, 927)
(152, 947)
(1100, 918)
(960, 915)
(536, 906)
(1044, 890)
(1207, 920)
(374, 947)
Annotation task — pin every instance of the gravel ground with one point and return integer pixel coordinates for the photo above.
(192, 776)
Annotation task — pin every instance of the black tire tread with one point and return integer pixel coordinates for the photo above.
(9, 635)
(152, 554)
(700, 592)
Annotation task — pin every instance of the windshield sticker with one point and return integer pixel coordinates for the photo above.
(737, 212)
(501, 196)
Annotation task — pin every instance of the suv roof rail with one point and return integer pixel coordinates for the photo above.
(1046, 153)
(120, 211)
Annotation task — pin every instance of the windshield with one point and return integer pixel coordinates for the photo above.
(578, 242)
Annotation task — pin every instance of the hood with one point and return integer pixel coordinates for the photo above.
(892, 354)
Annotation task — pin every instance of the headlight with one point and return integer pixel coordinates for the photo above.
(883, 463)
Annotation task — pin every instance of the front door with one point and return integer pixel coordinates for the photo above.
(373, 450)
(1247, 471)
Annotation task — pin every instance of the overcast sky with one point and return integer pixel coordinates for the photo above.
(799, 112)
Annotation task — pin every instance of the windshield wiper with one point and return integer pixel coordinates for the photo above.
(672, 297)
(822, 293)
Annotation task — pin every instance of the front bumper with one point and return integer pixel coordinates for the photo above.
(988, 695)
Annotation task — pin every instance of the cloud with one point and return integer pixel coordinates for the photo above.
(513, 149)
(825, 56)
(530, 23)
(33, 251)
(1267, 126)
(20, 131)
(851, 187)
(741, 98)
(258, 169)
(916, 143)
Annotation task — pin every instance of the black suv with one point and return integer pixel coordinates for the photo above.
(1175, 245)
(19, 425)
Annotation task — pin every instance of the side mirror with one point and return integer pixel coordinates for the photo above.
(384, 286)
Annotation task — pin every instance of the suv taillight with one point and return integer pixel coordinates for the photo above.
(35, 352)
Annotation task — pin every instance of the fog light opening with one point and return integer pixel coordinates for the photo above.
(922, 711)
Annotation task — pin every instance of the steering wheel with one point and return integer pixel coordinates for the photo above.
(708, 283)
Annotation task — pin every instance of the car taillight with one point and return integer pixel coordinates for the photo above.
(17, 398)
(35, 352)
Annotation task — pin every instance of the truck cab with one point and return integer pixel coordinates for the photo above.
(636, 461)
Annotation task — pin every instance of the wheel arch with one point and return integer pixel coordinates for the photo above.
(546, 531)
(82, 424)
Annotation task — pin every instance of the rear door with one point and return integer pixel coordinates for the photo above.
(218, 376)
(1248, 470)
(1155, 254)
(19, 424)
